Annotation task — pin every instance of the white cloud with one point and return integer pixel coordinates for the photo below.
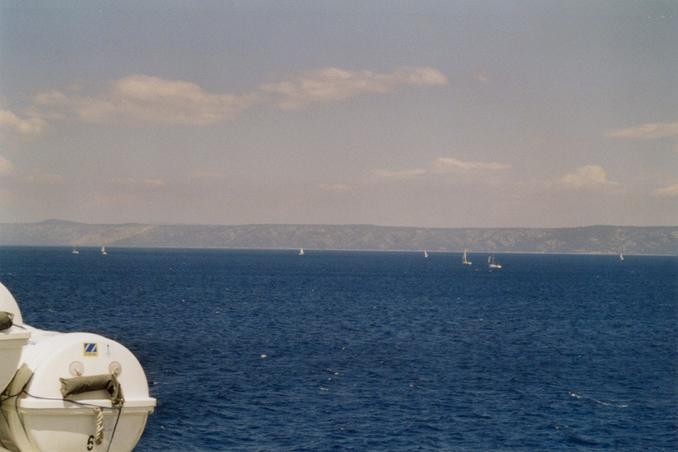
(588, 177)
(44, 178)
(35, 177)
(50, 97)
(207, 175)
(31, 125)
(482, 77)
(131, 183)
(6, 167)
(142, 98)
(448, 164)
(398, 174)
(670, 191)
(441, 166)
(154, 183)
(646, 131)
(116, 200)
(334, 84)
(335, 188)
(146, 99)
(122, 181)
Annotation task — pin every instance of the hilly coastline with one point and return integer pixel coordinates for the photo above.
(661, 240)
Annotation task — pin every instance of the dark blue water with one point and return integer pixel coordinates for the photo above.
(377, 351)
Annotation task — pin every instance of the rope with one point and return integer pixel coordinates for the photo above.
(4, 397)
(115, 427)
(99, 411)
(99, 434)
(21, 419)
(75, 402)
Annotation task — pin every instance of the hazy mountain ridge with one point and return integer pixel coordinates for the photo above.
(590, 239)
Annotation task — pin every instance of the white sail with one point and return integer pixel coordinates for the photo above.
(425, 253)
(492, 262)
(301, 251)
(465, 260)
(103, 251)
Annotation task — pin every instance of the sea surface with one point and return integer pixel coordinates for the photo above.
(267, 350)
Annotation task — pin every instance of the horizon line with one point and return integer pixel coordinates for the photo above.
(60, 220)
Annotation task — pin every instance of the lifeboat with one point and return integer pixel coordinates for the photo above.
(68, 391)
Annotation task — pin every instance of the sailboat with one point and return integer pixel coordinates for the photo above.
(425, 253)
(464, 260)
(492, 262)
(301, 251)
(75, 251)
(103, 251)
(621, 255)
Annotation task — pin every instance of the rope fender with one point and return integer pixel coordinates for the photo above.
(6, 320)
(105, 382)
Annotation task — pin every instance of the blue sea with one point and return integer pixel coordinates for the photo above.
(267, 350)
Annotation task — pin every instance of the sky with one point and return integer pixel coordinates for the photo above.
(401, 113)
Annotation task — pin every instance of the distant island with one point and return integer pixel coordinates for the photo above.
(662, 240)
